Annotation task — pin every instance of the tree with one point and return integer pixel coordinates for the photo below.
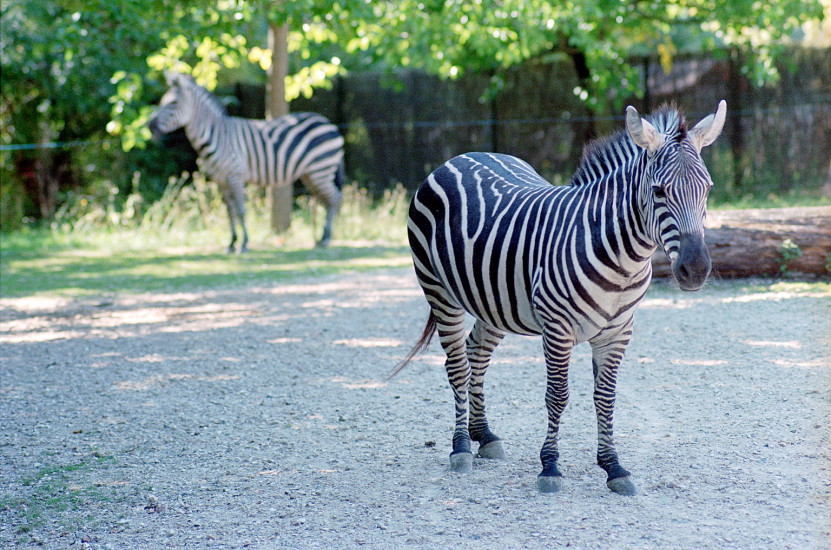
(64, 63)
(63, 60)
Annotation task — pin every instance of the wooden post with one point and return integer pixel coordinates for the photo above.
(282, 197)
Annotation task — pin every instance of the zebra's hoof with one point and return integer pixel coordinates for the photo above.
(622, 486)
(492, 450)
(549, 484)
(461, 462)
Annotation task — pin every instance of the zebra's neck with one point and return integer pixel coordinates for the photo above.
(206, 123)
(615, 207)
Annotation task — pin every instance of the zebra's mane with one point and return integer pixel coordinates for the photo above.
(206, 97)
(604, 152)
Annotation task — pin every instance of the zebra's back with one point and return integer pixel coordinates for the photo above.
(295, 146)
(475, 224)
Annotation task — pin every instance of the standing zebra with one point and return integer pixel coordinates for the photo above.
(236, 151)
(491, 238)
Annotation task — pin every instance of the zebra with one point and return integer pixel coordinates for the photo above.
(492, 239)
(235, 151)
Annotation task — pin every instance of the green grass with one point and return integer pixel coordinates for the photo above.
(179, 244)
(812, 197)
(87, 271)
(56, 489)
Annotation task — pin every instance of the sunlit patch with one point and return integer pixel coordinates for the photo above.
(369, 342)
(150, 382)
(284, 340)
(432, 359)
(775, 296)
(41, 336)
(358, 384)
(219, 378)
(698, 362)
(131, 317)
(152, 358)
(32, 304)
(665, 303)
(813, 364)
(790, 344)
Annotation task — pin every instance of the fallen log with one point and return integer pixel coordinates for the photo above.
(745, 243)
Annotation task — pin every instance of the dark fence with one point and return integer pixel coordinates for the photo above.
(400, 127)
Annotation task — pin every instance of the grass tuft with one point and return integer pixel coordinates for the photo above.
(179, 243)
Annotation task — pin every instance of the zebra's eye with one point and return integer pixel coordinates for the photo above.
(659, 192)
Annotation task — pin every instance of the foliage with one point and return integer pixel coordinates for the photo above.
(789, 251)
(83, 70)
(58, 61)
(450, 37)
(487, 36)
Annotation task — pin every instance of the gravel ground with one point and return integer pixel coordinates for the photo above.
(260, 418)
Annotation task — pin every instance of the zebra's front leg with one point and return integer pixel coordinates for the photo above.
(229, 206)
(481, 342)
(557, 345)
(238, 194)
(606, 358)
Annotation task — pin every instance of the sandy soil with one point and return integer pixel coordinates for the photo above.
(260, 418)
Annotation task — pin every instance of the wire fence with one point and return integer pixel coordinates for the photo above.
(776, 138)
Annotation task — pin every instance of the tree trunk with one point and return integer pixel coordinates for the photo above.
(282, 197)
(745, 243)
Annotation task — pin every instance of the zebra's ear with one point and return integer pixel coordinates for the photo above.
(642, 132)
(171, 77)
(705, 132)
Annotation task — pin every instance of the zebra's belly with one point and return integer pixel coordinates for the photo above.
(591, 315)
(504, 303)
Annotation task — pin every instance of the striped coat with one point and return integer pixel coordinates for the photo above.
(237, 151)
(492, 239)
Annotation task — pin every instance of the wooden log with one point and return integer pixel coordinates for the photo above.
(745, 243)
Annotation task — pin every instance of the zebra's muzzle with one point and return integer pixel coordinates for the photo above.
(153, 125)
(692, 265)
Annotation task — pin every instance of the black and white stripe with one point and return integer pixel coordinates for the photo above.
(492, 239)
(236, 151)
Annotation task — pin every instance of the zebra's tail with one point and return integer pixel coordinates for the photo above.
(340, 175)
(419, 347)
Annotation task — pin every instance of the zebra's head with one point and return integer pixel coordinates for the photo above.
(676, 183)
(176, 106)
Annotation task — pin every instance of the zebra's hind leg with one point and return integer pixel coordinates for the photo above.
(557, 344)
(332, 204)
(450, 322)
(481, 342)
(606, 358)
(326, 188)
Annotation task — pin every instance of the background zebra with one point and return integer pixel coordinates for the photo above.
(236, 151)
(491, 238)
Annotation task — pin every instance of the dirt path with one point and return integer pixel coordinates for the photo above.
(259, 418)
